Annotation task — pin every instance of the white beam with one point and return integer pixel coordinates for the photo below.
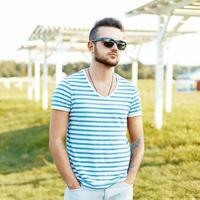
(169, 82)
(59, 66)
(30, 84)
(158, 117)
(167, 9)
(177, 26)
(168, 76)
(59, 69)
(186, 12)
(135, 72)
(161, 7)
(37, 81)
(133, 56)
(45, 79)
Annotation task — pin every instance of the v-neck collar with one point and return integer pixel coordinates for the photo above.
(92, 87)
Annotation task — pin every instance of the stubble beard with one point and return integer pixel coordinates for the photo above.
(104, 60)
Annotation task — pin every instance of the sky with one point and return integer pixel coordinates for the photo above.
(19, 18)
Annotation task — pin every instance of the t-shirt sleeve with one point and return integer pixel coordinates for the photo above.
(62, 97)
(135, 107)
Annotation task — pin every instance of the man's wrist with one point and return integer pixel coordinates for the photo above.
(73, 184)
(130, 179)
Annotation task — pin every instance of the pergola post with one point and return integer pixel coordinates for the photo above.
(59, 65)
(59, 68)
(134, 67)
(37, 81)
(169, 82)
(135, 72)
(29, 71)
(45, 78)
(158, 115)
(185, 8)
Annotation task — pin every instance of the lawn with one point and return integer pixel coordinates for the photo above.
(171, 165)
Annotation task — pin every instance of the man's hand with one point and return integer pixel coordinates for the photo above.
(74, 185)
(130, 182)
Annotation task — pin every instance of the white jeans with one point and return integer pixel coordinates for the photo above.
(118, 191)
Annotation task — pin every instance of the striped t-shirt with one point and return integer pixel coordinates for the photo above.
(96, 141)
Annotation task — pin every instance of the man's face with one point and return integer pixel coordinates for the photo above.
(108, 56)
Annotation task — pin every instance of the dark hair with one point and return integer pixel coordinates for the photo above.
(110, 22)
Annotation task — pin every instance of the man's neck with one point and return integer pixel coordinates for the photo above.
(100, 72)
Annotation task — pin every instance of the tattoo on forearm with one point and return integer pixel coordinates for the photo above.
(133, 147)
(131, 165)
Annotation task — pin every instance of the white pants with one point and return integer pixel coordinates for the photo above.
(118, 191)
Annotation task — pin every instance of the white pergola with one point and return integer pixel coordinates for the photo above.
(47, 40)
(58, 39)
(165, 9)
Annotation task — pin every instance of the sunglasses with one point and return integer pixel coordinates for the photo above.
(109, 42)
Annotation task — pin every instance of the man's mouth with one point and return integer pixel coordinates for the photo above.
(113, 54)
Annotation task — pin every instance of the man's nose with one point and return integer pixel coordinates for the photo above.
(115, 46)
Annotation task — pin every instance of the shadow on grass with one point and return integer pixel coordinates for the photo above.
(34, 182)
(24, 149)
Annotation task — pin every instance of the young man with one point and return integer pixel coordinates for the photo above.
(92, 110)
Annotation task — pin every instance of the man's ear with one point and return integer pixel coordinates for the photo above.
(90, 45)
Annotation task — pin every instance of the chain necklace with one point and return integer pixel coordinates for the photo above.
(94, 84)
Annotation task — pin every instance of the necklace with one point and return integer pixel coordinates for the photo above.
(94, 84)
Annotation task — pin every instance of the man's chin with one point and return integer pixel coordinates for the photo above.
(110, 62)
(113, 64)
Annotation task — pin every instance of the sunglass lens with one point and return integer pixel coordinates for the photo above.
(121, 46)
(108, 44)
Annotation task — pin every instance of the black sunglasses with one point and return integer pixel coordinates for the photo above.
(109, 42)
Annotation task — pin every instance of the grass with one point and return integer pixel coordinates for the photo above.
(170, 169)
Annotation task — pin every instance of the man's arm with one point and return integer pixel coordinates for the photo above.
(135, 129)
(57, 131)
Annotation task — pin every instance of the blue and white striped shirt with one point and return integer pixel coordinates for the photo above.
(97, 145)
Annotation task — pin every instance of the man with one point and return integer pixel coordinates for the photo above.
(92, 109)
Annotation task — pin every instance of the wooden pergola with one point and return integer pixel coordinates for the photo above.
(190, 8)
(46, 40)
(165, 9)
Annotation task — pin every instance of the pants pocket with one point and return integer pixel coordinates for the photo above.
(75, 190)
(124, 183)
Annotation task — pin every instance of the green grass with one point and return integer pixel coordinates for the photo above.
(170, 169)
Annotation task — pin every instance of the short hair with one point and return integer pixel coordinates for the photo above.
(110, 22)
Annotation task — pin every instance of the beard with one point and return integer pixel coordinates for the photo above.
(103, 60)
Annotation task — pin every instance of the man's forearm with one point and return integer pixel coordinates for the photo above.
(62, 162)
(137, 153)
